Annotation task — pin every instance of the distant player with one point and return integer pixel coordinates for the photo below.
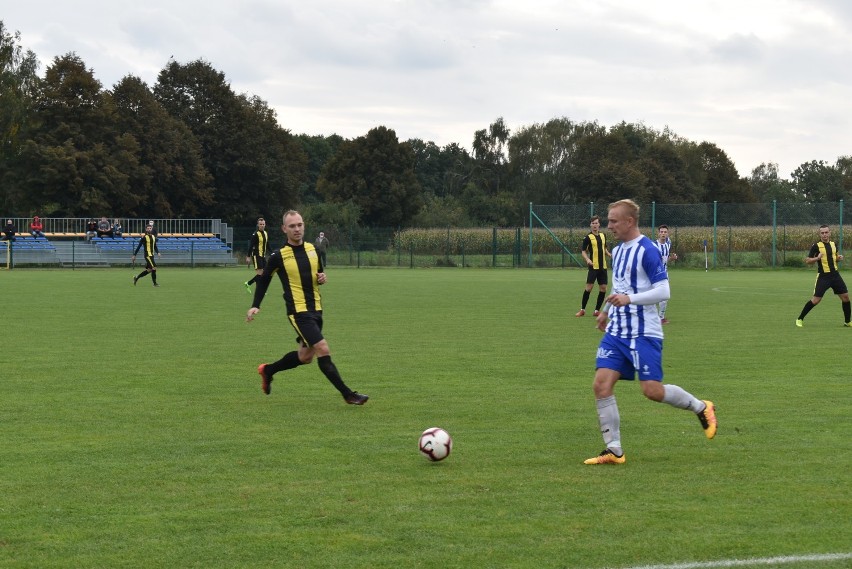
(664, 246)
(594, 253)
(824, 254)
(258, 250)
(149, 243)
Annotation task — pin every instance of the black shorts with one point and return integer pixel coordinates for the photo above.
(258, 262)
(596, 275)
(831, 281)
(149, 263)
(309, 327)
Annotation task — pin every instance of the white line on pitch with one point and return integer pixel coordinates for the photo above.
(750, 562)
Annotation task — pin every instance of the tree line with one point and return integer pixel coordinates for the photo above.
(190, 147)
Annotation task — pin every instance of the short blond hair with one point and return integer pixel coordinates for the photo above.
(630, 206)
(288, 213)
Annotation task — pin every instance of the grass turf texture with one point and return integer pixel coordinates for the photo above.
(135, 433)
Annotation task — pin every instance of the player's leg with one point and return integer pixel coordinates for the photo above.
(587, 292)
(611, 364)
(648, 357)
(602, 284)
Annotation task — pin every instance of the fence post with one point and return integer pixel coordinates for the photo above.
(653, 216)
(529, 259)
(774, 231)
(517, 247)
(715, 237)
(493, 247)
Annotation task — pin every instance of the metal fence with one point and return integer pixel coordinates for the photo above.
(722, 235)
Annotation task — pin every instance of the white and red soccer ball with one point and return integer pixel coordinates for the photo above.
(435, 444)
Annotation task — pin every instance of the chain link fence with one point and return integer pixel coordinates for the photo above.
(736, 235)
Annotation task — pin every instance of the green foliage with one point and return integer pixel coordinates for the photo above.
(256, 166)
(151, 445)
(376, 173)
(191, 147)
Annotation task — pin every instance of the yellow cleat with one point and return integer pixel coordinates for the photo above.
(800, 322)
(606, 457)
(708, 419)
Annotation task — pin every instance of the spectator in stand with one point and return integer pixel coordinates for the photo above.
(117, 231)
(153, 227)
(91, 229)
(104, 228)
(9, 231)
(36, 227)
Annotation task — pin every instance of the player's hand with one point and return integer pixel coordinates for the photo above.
(618, 299)
(600, 321)
(673, 257)
(251, 313)
(320, 278)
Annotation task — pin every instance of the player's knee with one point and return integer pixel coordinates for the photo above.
(653, 390)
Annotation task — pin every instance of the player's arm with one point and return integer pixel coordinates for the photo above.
(138, 246)
(587, 244)
(813, 256)
(262, 284)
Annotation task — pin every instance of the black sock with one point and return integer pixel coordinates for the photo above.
(254, 278)
(330, 371)
(847, 311)
(601, 296)
(142, 274)
(154, 276)
(808, 307)
(586, 294)
(289, 361)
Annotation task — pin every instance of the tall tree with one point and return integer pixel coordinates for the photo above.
(722, 182)
(75, 162)
(376, 173)
(768, 186)
(19, 84)
(257, 166)
(169, 178)
(818, 181)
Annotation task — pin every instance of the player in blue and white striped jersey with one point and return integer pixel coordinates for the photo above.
(632, 344)
(664, 246)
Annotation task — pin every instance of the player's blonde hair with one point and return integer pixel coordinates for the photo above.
(630, 207)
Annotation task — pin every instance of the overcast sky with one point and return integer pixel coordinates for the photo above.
(765, 80)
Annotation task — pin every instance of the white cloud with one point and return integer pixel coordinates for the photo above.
(764, 80)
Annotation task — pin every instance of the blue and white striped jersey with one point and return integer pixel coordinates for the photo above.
(636, 266)
(664, 249)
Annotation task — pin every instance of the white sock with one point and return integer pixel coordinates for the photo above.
(610, 422)
(682, 399)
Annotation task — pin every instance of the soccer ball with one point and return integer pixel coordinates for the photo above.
(435, 444)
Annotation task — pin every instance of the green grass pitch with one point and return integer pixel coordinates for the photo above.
(134, 432)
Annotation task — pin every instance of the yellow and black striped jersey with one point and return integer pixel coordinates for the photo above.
(149, 243)
(297, 267)
(595, 248)
(259, 244)
(828, 263)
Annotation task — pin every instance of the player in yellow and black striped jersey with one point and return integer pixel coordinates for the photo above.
(824, 254)
(301, 273)
(149, 243)
(258, 250)
(595, 253)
